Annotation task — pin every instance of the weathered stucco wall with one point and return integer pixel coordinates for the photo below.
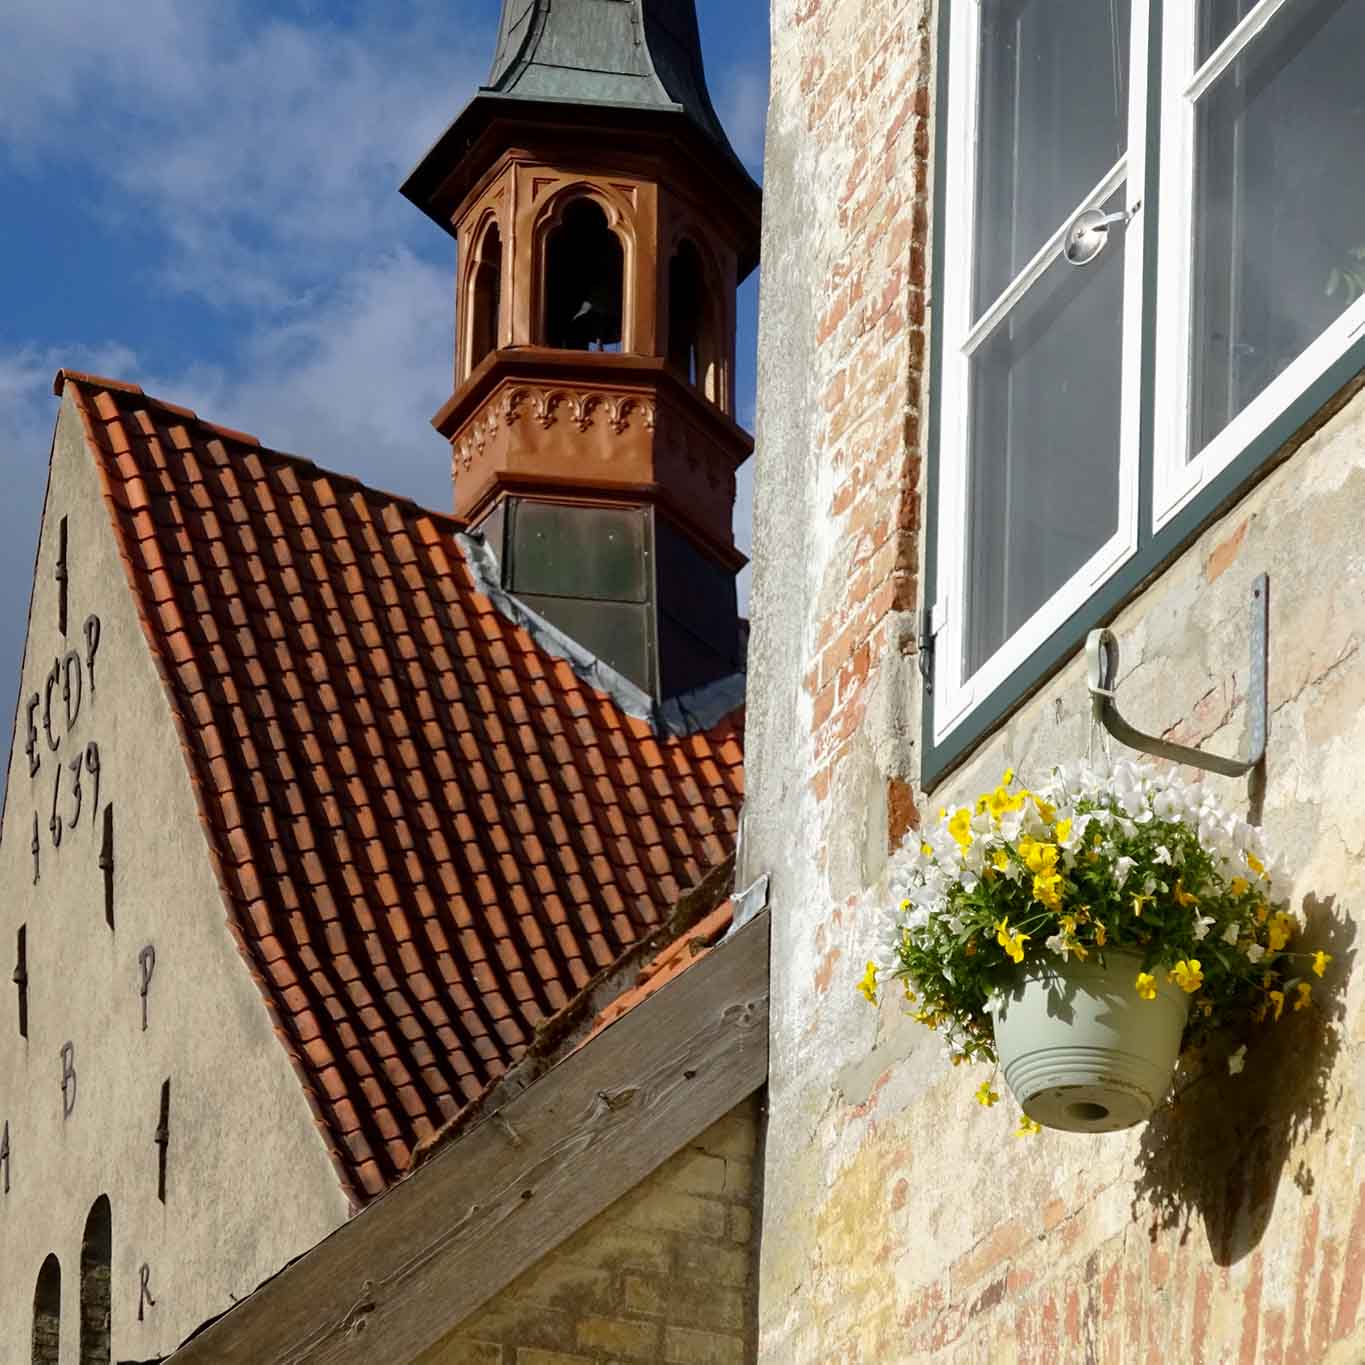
(664, 1276)
(248, 1182)
(901, 1221)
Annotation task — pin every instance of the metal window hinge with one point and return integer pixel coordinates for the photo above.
(1102, 659)
(931, 621)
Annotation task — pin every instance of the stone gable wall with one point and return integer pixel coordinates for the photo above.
(663, 1277)
(248, 1182)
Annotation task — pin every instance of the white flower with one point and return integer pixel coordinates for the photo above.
(1202, 924)
(1122, 867)
(1255, 952)
(1237, 1060)
(1163, 854)
(1229, 935)
(1057, 943)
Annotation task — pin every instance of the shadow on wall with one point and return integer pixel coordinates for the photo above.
(1220, 1146)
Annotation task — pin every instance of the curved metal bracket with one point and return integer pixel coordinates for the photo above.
(1102, 661)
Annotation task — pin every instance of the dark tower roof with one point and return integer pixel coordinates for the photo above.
(606, 65)
(616, 52)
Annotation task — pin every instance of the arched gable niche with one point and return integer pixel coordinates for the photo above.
(96, 1252)
(47, 1314)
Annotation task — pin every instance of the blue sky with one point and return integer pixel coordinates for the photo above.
(202, 199)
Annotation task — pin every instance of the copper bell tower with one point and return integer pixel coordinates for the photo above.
(604, 224)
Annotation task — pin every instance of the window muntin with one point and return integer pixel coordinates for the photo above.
(1026, 377)
(1263, 216)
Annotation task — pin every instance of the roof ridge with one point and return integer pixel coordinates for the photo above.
(243, 438)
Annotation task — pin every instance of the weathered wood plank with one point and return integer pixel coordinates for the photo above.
(417, 1263)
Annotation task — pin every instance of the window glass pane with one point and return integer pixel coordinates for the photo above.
(1053, 119)
(1279, 241)
(1044, 459)
(1217, 18)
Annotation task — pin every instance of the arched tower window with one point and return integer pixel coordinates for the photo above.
(585, 270)
(485, 296)
(96, 1252)
(693, 344)
(47, 1314)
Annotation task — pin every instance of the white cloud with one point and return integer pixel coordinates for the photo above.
(742, 103)
(264, 150)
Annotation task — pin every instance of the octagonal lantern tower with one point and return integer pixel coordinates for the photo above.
(604, 224)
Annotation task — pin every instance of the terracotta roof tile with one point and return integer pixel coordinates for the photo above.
(431, 834)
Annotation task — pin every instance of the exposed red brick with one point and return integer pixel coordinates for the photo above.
(1308, 1249)
(1352, 1271)
(1223, 554)
(389, 813)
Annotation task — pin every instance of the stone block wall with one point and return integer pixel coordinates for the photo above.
(666, 1276)
(901, 1221)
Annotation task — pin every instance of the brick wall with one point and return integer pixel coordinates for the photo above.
(663, 1277)
(901, 1221)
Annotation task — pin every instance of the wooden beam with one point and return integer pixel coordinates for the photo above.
(408, 1270)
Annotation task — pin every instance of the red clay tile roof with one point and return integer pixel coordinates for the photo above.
(430, 833)
(672, 961)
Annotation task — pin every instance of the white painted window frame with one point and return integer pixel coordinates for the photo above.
(957, 696)
(1178, 472)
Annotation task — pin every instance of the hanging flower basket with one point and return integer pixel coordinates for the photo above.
(1080, 935)
(1080, 1049)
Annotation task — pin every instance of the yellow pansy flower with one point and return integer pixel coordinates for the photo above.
(867, 987)
(1239, 886)
(1281, 927)
(1027, 1126)
(1305, 992)
(1063, 831)
(1320, 961)
(960, 827)
(1001, 860)
(1038, 857)
(1146, 986)
(1188, 975)
(1255, 864)
(1011, 940)
(1101, 936)
(1183, 897)
(1277, 999)
(1045, 889)
(1139, 900)
(985, 1096)
(1045, 809)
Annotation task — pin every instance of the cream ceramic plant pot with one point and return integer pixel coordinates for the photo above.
(1081, 1050)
